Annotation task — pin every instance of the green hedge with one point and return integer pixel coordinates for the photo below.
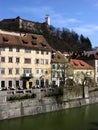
(21, 97)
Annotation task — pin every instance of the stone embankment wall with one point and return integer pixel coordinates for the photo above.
(13, 109)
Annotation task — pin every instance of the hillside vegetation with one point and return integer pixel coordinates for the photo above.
(60, 39)
(65, 40)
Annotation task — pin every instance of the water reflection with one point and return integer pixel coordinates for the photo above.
(94, 126)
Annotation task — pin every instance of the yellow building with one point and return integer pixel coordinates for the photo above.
(24, 58)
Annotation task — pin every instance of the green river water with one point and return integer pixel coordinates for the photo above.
(83, 118)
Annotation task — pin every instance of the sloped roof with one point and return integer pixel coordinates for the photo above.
(80, 64)
(33, 41)
(58, 58)
(85, 55)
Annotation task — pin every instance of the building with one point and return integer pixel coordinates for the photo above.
(58, 68)
(82, 71)
(25, 60)
(21, 25)
(91, 58)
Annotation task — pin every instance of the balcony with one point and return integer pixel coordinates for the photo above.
(27, 76)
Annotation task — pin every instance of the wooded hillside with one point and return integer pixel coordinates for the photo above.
(60, 39)
(66, 40)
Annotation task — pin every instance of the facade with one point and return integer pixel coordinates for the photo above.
(58, 68)
(91, 58)
(82, 71)
(25, 60)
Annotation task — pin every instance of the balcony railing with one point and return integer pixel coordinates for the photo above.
(27, 75)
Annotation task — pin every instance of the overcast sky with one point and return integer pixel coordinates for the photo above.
(80, 16)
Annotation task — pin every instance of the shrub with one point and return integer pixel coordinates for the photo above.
(21, 97)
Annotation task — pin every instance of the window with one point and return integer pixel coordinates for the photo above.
(53, 66)
(25, 42)
(10, 59)
(2, 59)
(34, 42)
(2, 71)
(46, 61)
(17, 70)
(5, 39)
(27, 60)
(10, 83)
(17, 83)
(37, 82)
(58, 66)
(27, 70)
(10, 70)
(10, 49)
(34, 37)
(42, 52)
(42, 71)
(43, 45)
(36, 61)
(46, 52)
(2, 84)
(27, 51)
(17, 50)
(42, 61)
(53, 75)
(37, 71)
(17, 59)
(37, 52)
(2, 49)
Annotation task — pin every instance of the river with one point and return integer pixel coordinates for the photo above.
(83, 118)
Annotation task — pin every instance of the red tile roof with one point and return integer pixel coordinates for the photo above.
(80, 64)
(33, 41)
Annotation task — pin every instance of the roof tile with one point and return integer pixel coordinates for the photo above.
(80, 64)
(34, 41)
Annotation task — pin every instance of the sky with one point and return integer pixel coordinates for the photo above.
(76, 15)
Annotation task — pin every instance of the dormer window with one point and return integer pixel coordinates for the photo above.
(58, 57)
(24, 42)
(81, 64)
(10, 49)
(34, 37)
(34, 42)
(5, 39)
(43, 45)
(75, 63)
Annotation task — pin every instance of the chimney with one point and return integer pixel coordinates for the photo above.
(47, 19)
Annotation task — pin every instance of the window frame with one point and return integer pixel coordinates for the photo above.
(27, 60)
(10, 60)
(10, 71)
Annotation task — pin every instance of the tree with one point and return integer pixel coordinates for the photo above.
(85, 43)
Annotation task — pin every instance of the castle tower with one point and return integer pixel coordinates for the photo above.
(47, 19)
